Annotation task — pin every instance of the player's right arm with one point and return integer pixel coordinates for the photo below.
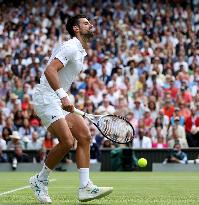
(51, 74)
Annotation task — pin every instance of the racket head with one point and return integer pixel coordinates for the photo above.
(116, 128)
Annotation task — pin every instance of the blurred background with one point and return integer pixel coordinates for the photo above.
(143, 64)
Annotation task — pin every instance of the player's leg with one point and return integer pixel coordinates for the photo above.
(80, 131)
(39, 182)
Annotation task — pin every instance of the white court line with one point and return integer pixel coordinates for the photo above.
(20, 188)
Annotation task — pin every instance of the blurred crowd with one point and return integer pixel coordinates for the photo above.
(143, 64)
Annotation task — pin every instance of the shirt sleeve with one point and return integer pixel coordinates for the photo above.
(65, 54)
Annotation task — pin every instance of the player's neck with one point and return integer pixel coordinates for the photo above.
(83, 40)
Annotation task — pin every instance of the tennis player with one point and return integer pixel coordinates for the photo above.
(54, 108)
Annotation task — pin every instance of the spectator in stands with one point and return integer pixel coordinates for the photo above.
(138, 109)
(19, 156)
(164, 118)
(142, 141)
(176, 138)
(153, 109)
(150, 63)
(147, 119)
(15, 141)
(106, 107)
(3, 156)
(168, 108)
(184, 109)
(26, 129)
(106, 143)
(2, 120)
(18, 119)
(6, 132)
(160, 143)
(3, 144)
(94, 149)
(179, 129)
(48, 142)
(177, 155)
(158, 126)
(35, 143)
(89, 107)
(13, 101)
(177, 114)
(131, 118)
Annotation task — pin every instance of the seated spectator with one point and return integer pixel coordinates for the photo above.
(48, 142)
(179, 129)
(158, 126)
(6, 132)
(89, 107)
(15, 141)
(147, 119)
(138, 109)
(131, 118)
(19, 157)
(177, 114)
(26, 129)
(3, 156)
(175, 138)
(106, 143)
(153, 109)
(163, 118)
(184, 109)
(160, 144)
(177, 155)
(12, 101)
(26, 102)
(106, 107)
(41, 156)
(142, 141)
(3, 144)
(94, 152)
(168, 108)
(2, 120)
(18, 119)
(35, 143)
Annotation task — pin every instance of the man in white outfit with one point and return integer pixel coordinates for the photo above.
(54, 108)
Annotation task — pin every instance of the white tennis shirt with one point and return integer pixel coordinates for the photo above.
(71, 54)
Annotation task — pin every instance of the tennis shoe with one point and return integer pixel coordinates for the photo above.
(40, 189)
(91, 191)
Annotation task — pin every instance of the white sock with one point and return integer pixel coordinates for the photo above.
(83, 177)
(44, 173)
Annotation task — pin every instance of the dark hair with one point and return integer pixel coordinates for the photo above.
(73, 21)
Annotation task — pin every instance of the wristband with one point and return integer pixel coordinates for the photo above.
(61, 93)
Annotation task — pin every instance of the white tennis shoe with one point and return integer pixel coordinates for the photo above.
(92, 191)
(40, 189)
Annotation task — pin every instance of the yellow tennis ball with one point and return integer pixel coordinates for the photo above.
(142, 162)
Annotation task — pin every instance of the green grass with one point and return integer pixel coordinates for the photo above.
(136, 188)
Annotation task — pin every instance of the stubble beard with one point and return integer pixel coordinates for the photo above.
(87, 36)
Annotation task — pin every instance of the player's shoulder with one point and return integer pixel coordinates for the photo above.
(70, 44)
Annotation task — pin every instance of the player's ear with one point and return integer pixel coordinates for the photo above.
(75, 28)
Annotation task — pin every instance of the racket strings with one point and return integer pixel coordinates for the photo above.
(116, 128)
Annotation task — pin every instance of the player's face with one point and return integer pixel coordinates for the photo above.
(85, 28)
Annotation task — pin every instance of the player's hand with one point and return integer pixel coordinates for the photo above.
(67, 105)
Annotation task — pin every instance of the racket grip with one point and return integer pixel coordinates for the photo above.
(79, 112)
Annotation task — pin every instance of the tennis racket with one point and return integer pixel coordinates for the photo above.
(114, 127)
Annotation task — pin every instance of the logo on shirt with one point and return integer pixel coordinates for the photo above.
(53, 117)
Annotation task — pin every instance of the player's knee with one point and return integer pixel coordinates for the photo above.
(67, 143)
(85, 138)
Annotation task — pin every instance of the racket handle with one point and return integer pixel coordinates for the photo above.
(79, 112)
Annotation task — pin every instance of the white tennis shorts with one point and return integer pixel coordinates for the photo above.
(47, 105)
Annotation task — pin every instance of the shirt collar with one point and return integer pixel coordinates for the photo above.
(79, 45)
